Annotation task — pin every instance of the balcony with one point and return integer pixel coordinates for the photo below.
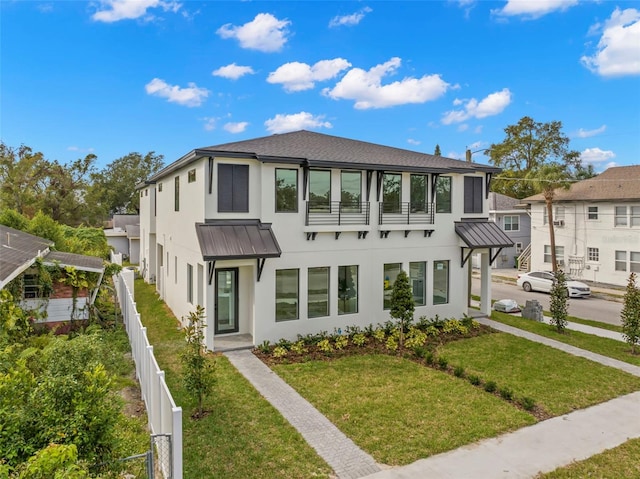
(337, 213)
(406, 214)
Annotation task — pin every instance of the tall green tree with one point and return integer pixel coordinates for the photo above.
(402, 303)
(559, 306)
(630, 314)
(437, 151)
(22, 175)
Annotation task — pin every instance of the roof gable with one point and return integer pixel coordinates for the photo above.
(18, 250)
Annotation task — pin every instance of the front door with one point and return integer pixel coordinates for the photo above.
(226, 301)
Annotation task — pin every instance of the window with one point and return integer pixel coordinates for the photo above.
(391, 272)
(319, 190)
(518, 247)
(286, 191)
(318, 292)
(512, 223)
(440, 282)
(176, 192)
(419, 193)
(621, 261)
(146, 192)
(286, 294)
(233, 188)
(189, 283)
(391, 192)
(350, 190)
(31, 287)
(418, 279)
(635, 215)
(559, 213)
(141, 193)
(593, 254)
(559, 253)
(347, 289)
(191, 176)
(159, 187)
(592, 212)
(472, 194)
(545, 216)
(620, 216)
(634, 261)
(443, 194)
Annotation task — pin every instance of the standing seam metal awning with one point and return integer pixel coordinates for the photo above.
(478, 234)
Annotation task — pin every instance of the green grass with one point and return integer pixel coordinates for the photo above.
(400, 411)
(556, 380)
(590, 322)
(243, 436)
(619, 462)
(596, 344)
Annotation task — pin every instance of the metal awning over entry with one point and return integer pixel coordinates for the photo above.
(480, 234)
(236, 239)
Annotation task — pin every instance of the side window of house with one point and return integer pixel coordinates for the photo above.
(318, 292)
(319, 190)
(191, 176)
(443, 194)
(593, 213)
(512, 223)
(286, 190)
(176, 205)
(233, 188)
(347, 289)
(350, 190)
(189, 283)
(419, 187)
(391, 272)
(472, 194)
(440, 282)
(286, 294)
(391, 192)
(418, 278)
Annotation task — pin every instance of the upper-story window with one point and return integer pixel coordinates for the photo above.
(443, 194)
(160, 187)
(627, 216)
(350, 189)
(592, 212)
(391, 192)
(558, 214)
(319, 190)
(191, 176)
(286, 190)
(472, 194)
(419, 193)
(176, 192)
(512, 223)
(233, 188)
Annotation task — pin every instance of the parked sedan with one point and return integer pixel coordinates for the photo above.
(543, 281)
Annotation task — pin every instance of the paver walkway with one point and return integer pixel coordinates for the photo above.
(347, 460)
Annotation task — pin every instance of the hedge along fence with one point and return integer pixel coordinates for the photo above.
(164, 416)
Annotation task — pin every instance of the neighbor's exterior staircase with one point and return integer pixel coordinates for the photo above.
(524, 260)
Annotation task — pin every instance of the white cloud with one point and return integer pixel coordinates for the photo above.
(297, 121)
(492, 105)
(366, 89)
(115, 10)
(296, 76)
(190, 96)
(618, 51)
(533, 9)
(232, 71)
(411, 141)
(349, 20)
(209, 123)
(77, 148)
(582, 133)
(238, 127)
(596, 155)
(264, 33)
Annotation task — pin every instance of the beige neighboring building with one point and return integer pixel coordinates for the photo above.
(597, 227)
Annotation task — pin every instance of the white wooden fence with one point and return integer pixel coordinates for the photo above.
(164, 416)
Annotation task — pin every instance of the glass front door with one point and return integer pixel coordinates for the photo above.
(226, 301)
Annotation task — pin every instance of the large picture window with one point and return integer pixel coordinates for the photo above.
(233, 188)
(318, 292)
(440, 282)
(319, 190)
(418, 279)
(350, 190)
(391, 192)
(286, 191)
(443, 194)
(347, 289)
(286, 294)
(391, 272)
(419, 193)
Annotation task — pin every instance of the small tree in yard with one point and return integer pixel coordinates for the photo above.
(198, 369)
(402, 303)
(559, 305)
(631, 314)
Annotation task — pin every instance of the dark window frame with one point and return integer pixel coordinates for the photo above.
(443, 197)
(295, 206)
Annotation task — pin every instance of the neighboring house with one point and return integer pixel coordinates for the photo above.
(303, 232)
(124, 236)
(19, 252)
(596, 224)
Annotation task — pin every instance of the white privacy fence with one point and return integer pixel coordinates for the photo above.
(165, 417)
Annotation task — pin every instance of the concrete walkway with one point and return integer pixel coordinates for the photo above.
(347, 460)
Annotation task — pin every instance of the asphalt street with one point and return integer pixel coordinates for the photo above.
(593, 308)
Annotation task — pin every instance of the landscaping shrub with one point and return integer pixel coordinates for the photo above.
(474, 379)
(458, 372)
(490, 386)
(527, 403)
(506, 394)
(443, 362)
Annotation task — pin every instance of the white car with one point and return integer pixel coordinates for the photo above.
(543, 281)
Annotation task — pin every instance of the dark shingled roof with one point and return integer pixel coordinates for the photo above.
(499, 202)
(236, 240)
(78, 261)
(621, 183)
(18, 250)
(482, 234)
(326, 151)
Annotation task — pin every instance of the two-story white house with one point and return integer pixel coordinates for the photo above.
(596, 224)
(303, 232)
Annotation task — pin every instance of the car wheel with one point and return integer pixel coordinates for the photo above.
(526, 287)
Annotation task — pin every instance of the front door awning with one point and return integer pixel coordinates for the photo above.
(480, 234)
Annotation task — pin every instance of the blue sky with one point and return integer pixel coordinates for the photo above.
(115, 76)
